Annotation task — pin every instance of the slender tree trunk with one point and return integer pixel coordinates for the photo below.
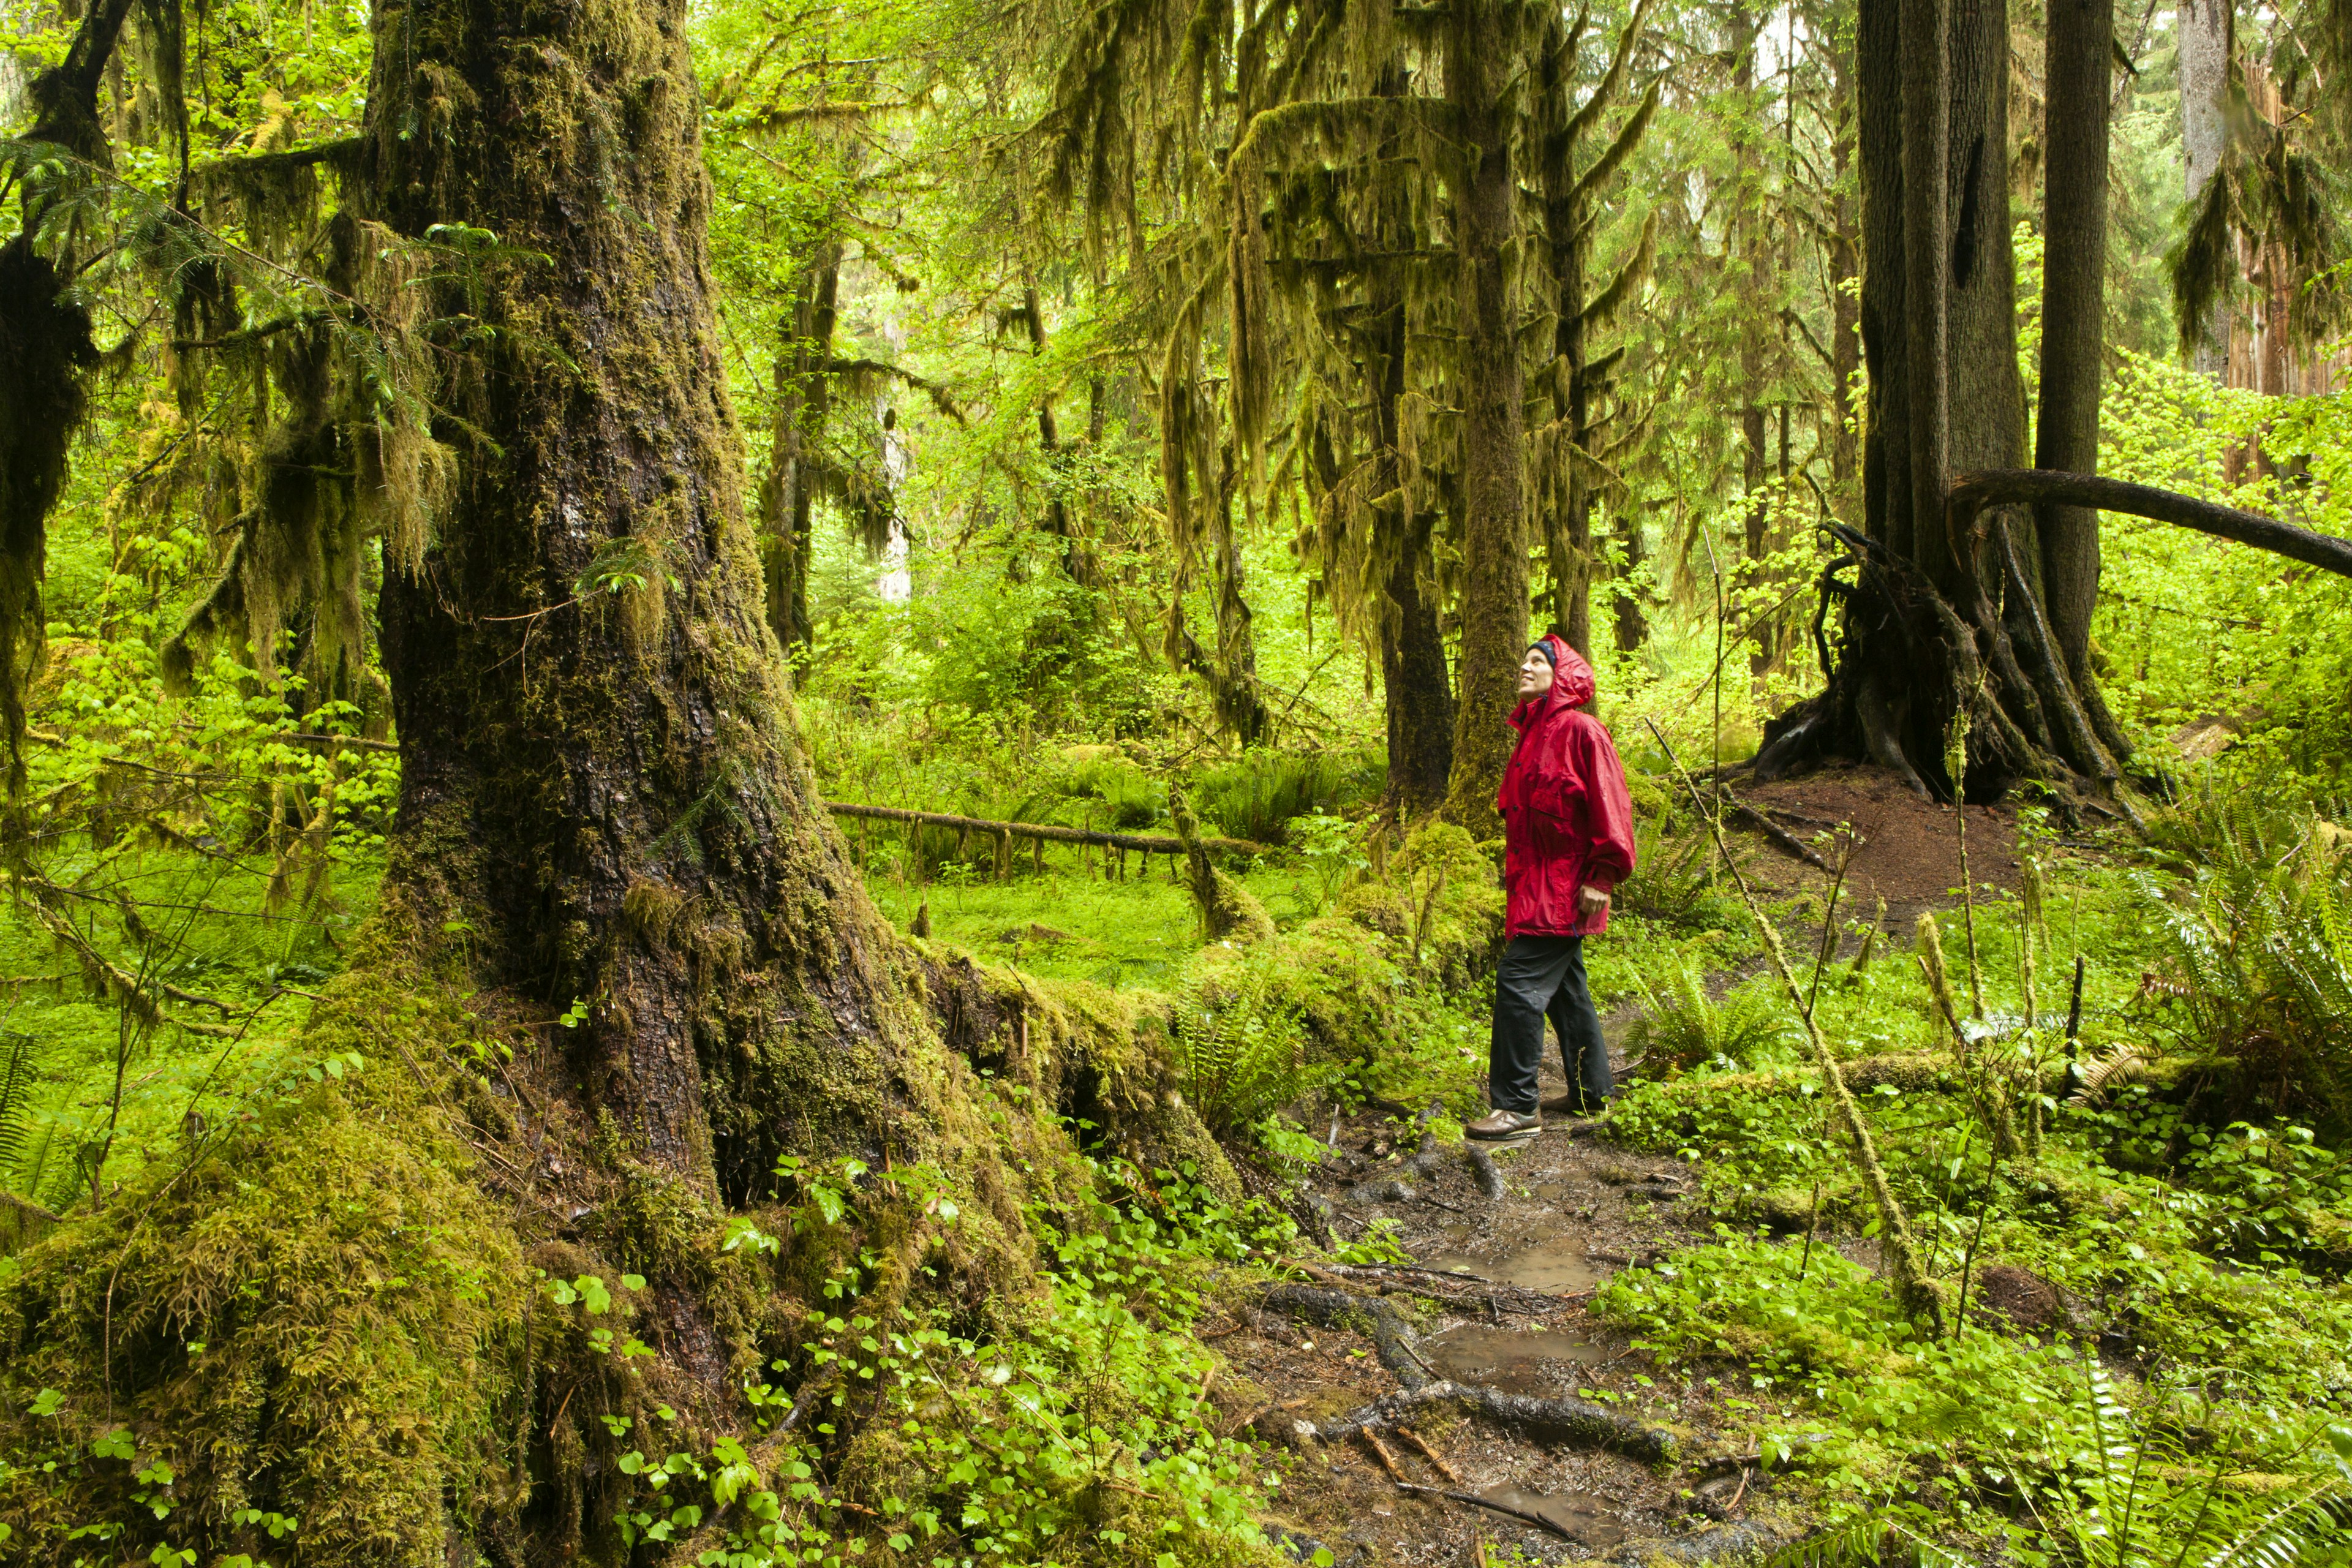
(1494, 564)
(602, 789)
(1632, 625)
(1419, 698)
(2205, 40)
(1845, 310)
(1754, 260)
(1418, 695)
(803, 395)
(1078, 561)
(2074, 319)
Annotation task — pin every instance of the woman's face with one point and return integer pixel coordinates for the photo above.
(1535, 674)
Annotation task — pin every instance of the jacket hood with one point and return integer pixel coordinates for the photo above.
(1571, 680)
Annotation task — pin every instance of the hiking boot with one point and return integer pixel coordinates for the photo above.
(1575, 1104)
(1499, 1126)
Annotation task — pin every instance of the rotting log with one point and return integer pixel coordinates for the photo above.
(1149, 843)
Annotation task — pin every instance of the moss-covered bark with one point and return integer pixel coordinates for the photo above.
(604, 798)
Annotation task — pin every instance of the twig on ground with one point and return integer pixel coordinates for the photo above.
(1432, 1455)
(1381, 1452)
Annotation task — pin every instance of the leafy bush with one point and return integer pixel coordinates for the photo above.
(1330, 846)
(2262, 956)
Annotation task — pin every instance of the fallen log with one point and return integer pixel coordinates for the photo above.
(1148, 843)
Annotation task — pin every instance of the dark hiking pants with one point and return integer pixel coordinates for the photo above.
(1544, 976)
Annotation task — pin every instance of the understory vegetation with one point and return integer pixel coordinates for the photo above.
(470, 1098)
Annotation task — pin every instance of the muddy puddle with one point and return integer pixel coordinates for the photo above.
(1556, 1268)
(1579, 1518)
(1513, 1360)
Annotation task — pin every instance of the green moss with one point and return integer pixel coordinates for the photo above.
(317, 1312)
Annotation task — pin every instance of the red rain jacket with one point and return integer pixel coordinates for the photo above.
(1567, 819)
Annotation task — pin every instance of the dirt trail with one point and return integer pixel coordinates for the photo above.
(1573, 1212)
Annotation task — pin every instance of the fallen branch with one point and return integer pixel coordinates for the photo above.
(1432, 1455)
(1149, 843)
(1781, 838)
(1971, 493)
(26, 1206)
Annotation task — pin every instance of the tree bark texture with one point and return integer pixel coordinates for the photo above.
(604, 795)
(1494, 547)
(1417, 688)
(2204, 70)
(2081, 46)
(1845, 310)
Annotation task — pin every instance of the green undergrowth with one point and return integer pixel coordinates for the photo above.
(2141, 1239)
(311, 1334)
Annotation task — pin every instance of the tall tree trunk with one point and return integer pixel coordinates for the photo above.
(1494, 541)
(602, 787)
(1417, 693)
(2074, 306)
(2205, 41)
(803, 395)
(46, 346)
(1755, 261)
(1845, 310)
(1567, 504)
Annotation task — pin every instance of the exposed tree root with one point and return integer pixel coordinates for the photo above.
(1574, 1421)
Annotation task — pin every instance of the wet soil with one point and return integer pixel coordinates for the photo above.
(1909, 852)
(1573, 1211)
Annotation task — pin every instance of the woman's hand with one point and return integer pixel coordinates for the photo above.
(1590, 901)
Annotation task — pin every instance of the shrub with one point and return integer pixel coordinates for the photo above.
(2261, 955)
(1255, 796)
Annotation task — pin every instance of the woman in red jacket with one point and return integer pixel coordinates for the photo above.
(1568, 841)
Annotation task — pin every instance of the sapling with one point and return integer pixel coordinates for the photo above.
(1956, 763)
(1914, 1291)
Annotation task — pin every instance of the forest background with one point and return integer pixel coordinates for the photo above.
(1070, 509)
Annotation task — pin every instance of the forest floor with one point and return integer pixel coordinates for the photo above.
(1573, 1212)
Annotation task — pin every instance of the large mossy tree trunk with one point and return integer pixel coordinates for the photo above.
(1494, 605)
(1943, 625)
(603, 798)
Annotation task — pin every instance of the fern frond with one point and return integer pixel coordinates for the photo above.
(1874, 1541)
(19, 1067)
(2098, 1075)
(2318, 1514)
